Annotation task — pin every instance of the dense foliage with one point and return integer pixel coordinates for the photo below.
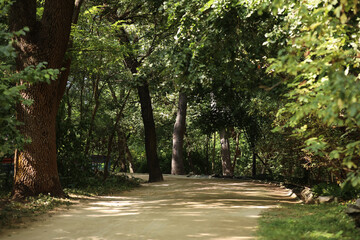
(280, 77)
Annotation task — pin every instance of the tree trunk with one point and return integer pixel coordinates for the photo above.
(266, 165)
(47, 41)
(177, 160)
(112, 134)
(207, 146)
(237, 150)
(155, 174)
(132, 64)
(227, 169)
(129, 158)
(213, 155)
(69, 106)
(254, 164)
(96, 95)
(121, 152)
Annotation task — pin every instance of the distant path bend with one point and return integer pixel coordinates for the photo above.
(177, 209)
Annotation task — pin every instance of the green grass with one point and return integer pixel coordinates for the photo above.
(95, 186)
(310, 222)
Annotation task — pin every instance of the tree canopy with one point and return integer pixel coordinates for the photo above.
(278, 80)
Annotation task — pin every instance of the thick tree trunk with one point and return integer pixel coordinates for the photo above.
(47, 41)
(177, 160)
(227, 169)
(155, 174)
(36, 166)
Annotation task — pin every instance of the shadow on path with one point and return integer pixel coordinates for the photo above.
(178, 208)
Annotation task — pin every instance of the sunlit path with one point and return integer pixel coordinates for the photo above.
(179, 208)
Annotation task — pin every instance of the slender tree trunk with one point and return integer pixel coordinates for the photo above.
(47, 41)
(213, 154)
(227, 169)
(125, 156)
(155, 174)
(69, 105)
(91, 127)
(237, 150)
(121, 152)
(96, 94)
(191, 163)
(207, 154)
(254, 163)
(177, 161)
(129, 158)
(265, 164)
(81, 100)
(132, 64)
(111, 136)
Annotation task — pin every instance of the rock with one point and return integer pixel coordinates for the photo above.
(307, 196)
(325, 199)
(353, 211)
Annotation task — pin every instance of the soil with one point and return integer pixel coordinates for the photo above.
(178, 208)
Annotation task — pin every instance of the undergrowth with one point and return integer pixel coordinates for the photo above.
(97, 186)
(310, 222)
(13, 212)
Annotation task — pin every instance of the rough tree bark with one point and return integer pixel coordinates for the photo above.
(227, 169)
(47, 41)
(177, 160)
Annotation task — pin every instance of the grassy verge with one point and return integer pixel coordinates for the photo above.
(13, 213)
(96, 186)
(310, 222)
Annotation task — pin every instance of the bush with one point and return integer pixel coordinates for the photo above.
(345, 192)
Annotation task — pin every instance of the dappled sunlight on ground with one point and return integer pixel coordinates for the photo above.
(179, 208)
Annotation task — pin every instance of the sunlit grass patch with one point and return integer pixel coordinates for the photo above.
(326, 221)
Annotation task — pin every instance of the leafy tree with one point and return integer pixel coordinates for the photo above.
(320, 62)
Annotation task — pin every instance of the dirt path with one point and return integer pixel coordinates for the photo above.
(177, 209)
